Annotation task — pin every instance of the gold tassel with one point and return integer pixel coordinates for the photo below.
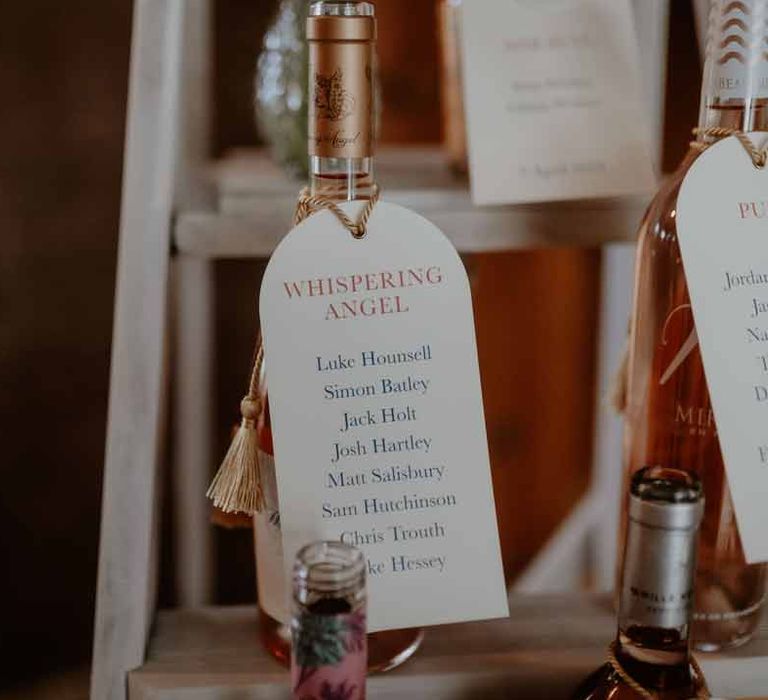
(236, 488)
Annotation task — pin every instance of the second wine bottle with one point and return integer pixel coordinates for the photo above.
(669, 415)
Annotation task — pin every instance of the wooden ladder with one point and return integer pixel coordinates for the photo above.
(166, 153)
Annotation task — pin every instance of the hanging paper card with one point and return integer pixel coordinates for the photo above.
(722, 226)
(377, 414)
(553, 101)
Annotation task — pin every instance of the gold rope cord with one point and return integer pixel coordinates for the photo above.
(236, 488)
(309, 204)
(759, 156)
(703, 693)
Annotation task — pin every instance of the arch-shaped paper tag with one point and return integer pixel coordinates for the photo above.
(722, 226)
(377, 413)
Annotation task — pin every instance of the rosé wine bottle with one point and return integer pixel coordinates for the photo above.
(669, 418)
(341, 35)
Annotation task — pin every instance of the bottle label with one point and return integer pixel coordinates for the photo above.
(657, 585)
(341, 99)
(270, 568)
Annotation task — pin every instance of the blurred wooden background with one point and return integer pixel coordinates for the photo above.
(63, 70)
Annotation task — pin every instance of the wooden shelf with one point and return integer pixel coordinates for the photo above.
(548, 644)
(256, 202)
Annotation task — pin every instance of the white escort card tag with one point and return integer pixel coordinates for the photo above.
(722, 226)
(377, 414)
(553, 101)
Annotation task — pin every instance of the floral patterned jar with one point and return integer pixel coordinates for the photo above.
(329, 651)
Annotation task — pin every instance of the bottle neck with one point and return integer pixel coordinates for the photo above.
(341, 36)
(735, 85)
(657, 581)
(329, 571)
(341, 179)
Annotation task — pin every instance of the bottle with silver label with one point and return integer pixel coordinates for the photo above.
(669, 418)
(651, 654)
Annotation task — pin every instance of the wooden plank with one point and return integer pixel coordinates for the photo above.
(546, 646)
(246, 176)
(193, 186)
(126, 584)
(257, 201)
(542, 651)
(193, 430)
(193, 317)
(607, 471)
(213, 236)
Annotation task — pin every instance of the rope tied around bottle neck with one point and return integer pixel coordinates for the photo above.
(759, 155)
(641, 690)
(309, 204)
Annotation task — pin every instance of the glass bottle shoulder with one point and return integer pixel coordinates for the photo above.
(606, 684)
(659, 227)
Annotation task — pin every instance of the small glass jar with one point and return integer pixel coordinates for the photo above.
(329, 651)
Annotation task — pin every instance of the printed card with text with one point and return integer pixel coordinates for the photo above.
(722, 226)
(377, 414)
(553, 101)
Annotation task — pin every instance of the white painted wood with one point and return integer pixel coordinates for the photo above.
(193, 306)
(126, 584)
(562, 564)
(193, 459)
(652, 23)
(257, 203)
(193, 187)
(607, 475)
(213, 236)
(546, 646)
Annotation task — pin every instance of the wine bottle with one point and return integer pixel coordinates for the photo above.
(652, 650)
(669, 418)
(341, 36)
